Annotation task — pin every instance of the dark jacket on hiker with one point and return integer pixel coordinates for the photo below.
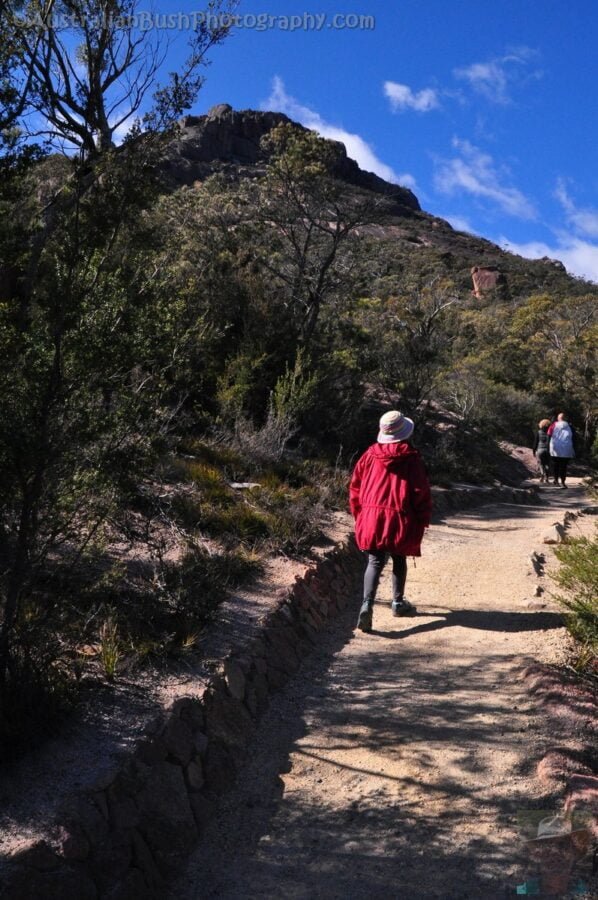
(541, 442)
(390, 499)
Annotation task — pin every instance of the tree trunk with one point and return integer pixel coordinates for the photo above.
(14, 590)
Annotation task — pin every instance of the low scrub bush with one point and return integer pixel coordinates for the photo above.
(282, 515)
(193, 589)
(243, 522)
(183, 599)
(294, 518)
(274, 520)
(219, 456)
(332, 483)
(578, 575)
(37, 695)
(459, 454)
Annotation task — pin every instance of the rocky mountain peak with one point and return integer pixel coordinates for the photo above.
(225, 138)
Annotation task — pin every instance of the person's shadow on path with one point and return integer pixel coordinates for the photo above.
(486, 620)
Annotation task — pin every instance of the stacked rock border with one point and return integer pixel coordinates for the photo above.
(124, 838)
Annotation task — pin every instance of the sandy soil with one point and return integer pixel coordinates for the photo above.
(397, 764)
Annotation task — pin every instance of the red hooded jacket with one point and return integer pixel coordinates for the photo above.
(390, 499)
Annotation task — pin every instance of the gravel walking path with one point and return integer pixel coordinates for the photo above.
(395, 764)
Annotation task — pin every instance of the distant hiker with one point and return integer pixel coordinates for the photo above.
(541, 449)
(561, 447)
(391, 502)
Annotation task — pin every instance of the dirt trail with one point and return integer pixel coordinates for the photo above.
(394, 764)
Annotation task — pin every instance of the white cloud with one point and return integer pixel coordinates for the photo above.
(460, 223)
(357, 148)
(578, 256)
(488, 78)
(122, 130)
(494, 78)
(583, 220)
(402, 97)
(475, 172)
(407, 180)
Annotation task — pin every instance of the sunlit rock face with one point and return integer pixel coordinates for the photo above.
(485, 279)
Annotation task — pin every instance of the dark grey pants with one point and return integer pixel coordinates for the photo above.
(560, 464)
(376, 561)
(544, 462)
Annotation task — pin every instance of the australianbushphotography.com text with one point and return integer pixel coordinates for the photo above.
(147, 20)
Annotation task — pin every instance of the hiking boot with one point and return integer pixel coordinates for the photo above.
(364, 622)
(402, 607)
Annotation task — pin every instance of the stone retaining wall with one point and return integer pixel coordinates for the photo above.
(124, 837)
(466, 496)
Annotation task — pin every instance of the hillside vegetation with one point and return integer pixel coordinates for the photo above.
(161, 343)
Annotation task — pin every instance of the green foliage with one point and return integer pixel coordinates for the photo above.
(297, 156)
(156, 346)
(497, 409)
(109, 647)
(193, 589)
(294, 391)
(291, 399)
(409, 341)
(294, 518)
(273, 517)
(461, 453)
(242, 523)
(578, 575)
(37, 696)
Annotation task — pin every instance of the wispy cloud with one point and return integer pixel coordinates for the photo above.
(407, 180)
(402, 97)
(494, 78)
(578, 256)
(460, 223)
(122, 129)
(357, 148)
(476, 173)
(585, 220)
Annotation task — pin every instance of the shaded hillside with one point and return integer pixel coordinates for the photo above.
(227, 142)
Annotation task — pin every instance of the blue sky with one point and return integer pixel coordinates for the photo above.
(485, 110)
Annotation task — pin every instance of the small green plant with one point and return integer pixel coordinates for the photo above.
(109, 646)
(193, 588)
(294, 517)
(242, 522)
(578, 575)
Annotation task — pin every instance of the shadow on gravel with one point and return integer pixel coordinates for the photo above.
(477, 618)
(350, 825)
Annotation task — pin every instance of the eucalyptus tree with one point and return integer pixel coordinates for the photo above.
(85, 346)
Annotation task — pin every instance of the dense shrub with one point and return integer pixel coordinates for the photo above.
(578, 575)
(37, 695)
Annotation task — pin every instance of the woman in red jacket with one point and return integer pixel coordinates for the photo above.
(391, 502)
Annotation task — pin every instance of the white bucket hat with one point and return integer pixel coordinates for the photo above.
(554, 827)
(394, 427)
